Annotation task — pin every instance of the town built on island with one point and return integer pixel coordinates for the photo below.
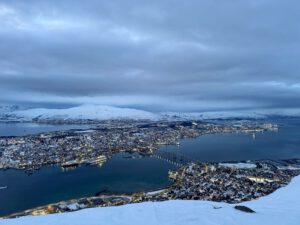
(75, 147)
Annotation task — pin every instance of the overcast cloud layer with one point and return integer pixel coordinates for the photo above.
(157, 55)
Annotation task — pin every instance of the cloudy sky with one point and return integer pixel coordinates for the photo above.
(158, 55)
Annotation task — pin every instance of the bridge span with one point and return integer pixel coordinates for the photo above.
(174, 158)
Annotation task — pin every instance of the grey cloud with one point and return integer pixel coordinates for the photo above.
(156, 55)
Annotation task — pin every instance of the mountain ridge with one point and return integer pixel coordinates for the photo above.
(105, 112)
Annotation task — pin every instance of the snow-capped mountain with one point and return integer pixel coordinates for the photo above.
(7, 111)
(92, 112)
(211, 115)
(243, 114)
(102, 112)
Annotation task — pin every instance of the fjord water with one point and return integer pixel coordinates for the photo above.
(126, 173)
(21, 129)
(122, 174)
(281, 144)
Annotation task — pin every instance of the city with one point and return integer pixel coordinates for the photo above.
(92, 146)
(196, 180)
(158, 112)
(217, 182)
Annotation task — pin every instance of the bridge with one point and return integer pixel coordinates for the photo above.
(174, 158)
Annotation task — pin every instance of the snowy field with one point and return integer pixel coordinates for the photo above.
(282, 208)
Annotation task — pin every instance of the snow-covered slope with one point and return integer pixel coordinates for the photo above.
(94, 112)
(212, 115)
(101, 112)
(280, 208)
(243, 114)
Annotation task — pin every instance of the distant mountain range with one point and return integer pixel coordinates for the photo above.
(83, 112)
(102, 112)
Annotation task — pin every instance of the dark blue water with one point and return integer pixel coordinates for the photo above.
(51, 184)
(284, 144)
(126, 175)
(20, 129)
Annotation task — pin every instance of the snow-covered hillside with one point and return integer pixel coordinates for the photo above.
(212, 115)
(93, 112)
(243, 114)
(101, 112)
(281, 207)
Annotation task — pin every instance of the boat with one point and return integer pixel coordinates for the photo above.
(4, 187)
(100, 160)
(70, 164)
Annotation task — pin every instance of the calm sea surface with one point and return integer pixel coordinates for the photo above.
(51, 184)
(21, 129)
(126, 173)
(284, 144)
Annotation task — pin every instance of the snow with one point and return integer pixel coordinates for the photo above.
(239, 165)
(243, 114)
(103, 112)
(212, 115)
(155, 192)
(94, 112)
(280, 207)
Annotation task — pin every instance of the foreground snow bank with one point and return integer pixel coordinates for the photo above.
(281, 207)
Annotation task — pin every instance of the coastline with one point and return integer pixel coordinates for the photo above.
(239, 184)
